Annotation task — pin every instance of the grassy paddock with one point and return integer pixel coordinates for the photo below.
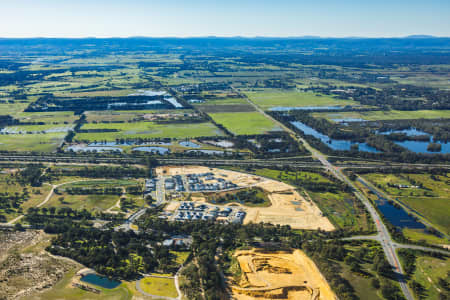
(164, 287)
(148, 130)
(272, 98)
(241, 123)
(386, 115)
(47, 142)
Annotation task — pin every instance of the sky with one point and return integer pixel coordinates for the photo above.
(189, 18)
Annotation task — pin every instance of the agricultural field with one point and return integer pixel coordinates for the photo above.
(425, 193)
(245, 123)
(143, 130)
(385, 115)
(279, 98)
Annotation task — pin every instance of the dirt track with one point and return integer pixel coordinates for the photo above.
(279, 275)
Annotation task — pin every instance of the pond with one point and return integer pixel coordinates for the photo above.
(408, 132)
(418, 146)
(287, 108)
(100, 281)
(159, 150)
(421, 146)
(79, 148)
(110, 144)
(397, 216)
(148, 93)
(174, 102)
(210, 152)
(189, 144)
(333, 144)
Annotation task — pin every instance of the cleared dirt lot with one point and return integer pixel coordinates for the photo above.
(288, 207)
(279, 275)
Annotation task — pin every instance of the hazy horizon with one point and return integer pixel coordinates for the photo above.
(201, 18)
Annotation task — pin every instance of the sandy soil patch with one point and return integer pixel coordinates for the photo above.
(172, 206)
(279, 275)
(198, 198)
(288, 207)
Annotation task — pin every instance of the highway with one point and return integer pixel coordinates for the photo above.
(383, 235)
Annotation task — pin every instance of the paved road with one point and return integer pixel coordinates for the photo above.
(384, 236)
(398, 245)
(274, 162)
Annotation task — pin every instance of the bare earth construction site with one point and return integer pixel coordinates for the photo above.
(279, 275)
(287, 206)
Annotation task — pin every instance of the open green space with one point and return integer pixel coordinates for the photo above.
(79, 202)
(128, 115)
(251, 197)
(272, 98)
(12, 109)
(181, 256)
(245, 123)
(39, 142)
(59, 117)
(64, 290)
(26, 195)
(386, 115)
(147, 130)
(164, 287)
(51, 128)
(421, 235)
(428, 272)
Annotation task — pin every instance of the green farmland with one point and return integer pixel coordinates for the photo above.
(386, 115)
(147, 130)
(245, 123)
(273, 98)
(47, 142)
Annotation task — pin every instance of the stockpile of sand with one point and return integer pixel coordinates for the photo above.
(279, 275)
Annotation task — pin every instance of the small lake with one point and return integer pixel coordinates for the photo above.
(287, 108)
(210, 152)
(174, 102)
(148, 93)
(421, 147)
(333, 144)
(109, 144)
(189, 144)
(396, 216)
(100, 281)
(418, 146)
(78, 148)
(159, 150)
(408, 132)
